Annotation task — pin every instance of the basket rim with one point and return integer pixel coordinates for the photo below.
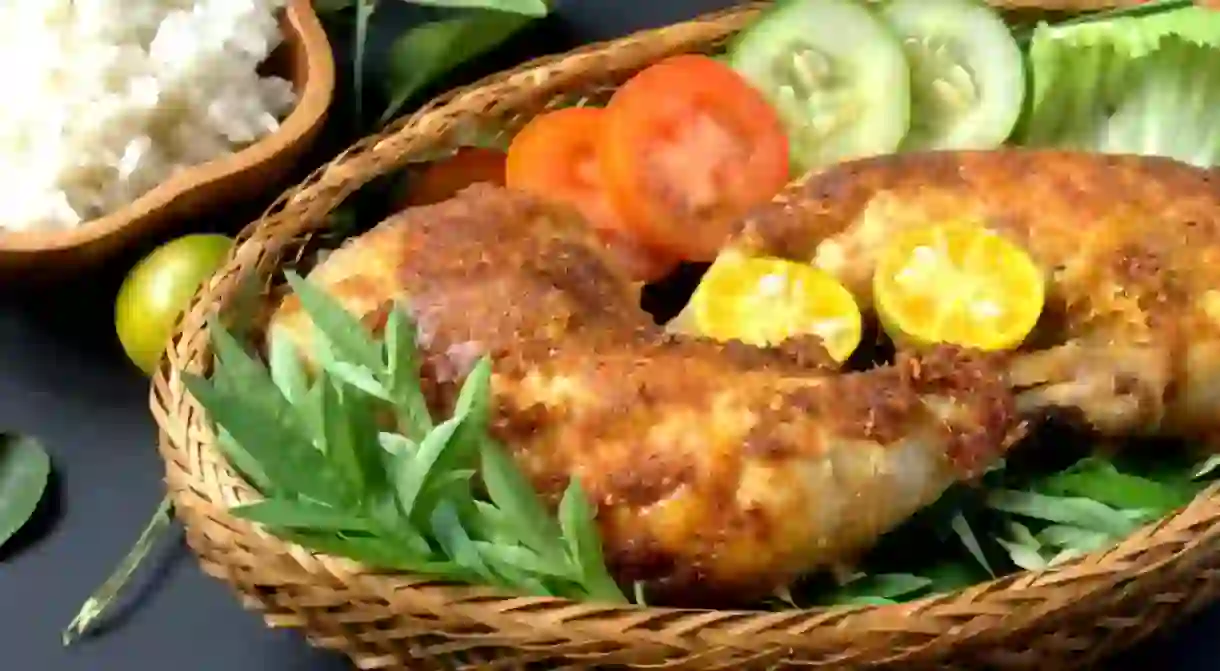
(979, 607)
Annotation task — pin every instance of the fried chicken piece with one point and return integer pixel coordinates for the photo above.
(719, 471)
(1130, 247)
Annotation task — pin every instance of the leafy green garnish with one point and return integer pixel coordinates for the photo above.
(1128, 86)
(426, 53)
(402, 498)
(24, 470)
(99, 603)
(421, 55)
(1100, 480)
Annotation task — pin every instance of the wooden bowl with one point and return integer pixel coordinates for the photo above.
(306, 60)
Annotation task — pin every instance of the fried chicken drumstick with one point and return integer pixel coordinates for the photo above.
(1130, 248)
(718, 471)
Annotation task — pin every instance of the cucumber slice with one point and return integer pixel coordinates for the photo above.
(967, 73)
(836, 75)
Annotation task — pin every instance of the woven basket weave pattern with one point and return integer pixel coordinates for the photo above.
(1062, 618)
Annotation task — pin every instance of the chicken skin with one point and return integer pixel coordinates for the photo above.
(1130, 248)
(719, 472)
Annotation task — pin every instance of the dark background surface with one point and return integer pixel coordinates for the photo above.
(64, 380)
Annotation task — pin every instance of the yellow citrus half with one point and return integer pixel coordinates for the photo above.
(764, 301)
(957, 283)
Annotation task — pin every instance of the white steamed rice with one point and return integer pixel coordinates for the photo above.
(105, 99)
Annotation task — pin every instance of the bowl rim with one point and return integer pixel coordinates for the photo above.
(312, 105)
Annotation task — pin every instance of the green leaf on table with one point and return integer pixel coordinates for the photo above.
(24, 470)
(424, 54)
(534, 8)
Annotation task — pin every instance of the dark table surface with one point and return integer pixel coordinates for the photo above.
(63, 379)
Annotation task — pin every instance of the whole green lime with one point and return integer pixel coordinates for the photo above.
(158, 289)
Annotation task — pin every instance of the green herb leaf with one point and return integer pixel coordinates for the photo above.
(411, 473)
(424, 54)
(331, 6)
(375, 551)
(268, 430)
(949, 575)
(350, 425)
(364, 11)
(523, 513)
(1208, 467)
(520, 558)
(24, 470)
(287, 372)
(1084, 513)
(1023, 556)
(298, 514)
(1099, 480)
(243, 461)
(342, 337)
(238, 374)
(359, 377)
(457, 544)
(1067, 537)
(961, 527)
(402, 379)
(879, 588)
(534, 8)
(99, 603)
(576, 520)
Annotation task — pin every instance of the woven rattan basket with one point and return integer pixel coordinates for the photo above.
(1066, 617)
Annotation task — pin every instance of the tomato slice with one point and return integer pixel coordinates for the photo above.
(556, 156)
(688, 147)
(442, 179)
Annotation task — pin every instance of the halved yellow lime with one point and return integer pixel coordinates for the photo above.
(764, 301)
(957, 283)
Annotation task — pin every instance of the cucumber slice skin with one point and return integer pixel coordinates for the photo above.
(978, 37)
(872, 79)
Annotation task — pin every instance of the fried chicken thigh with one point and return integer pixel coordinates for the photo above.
(718, 471)
(1130, 247)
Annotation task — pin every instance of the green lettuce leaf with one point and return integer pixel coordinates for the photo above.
(1147, 85)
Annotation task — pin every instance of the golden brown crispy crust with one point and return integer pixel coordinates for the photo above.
(1115, 234)
(1130, 247)
(718, 470)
